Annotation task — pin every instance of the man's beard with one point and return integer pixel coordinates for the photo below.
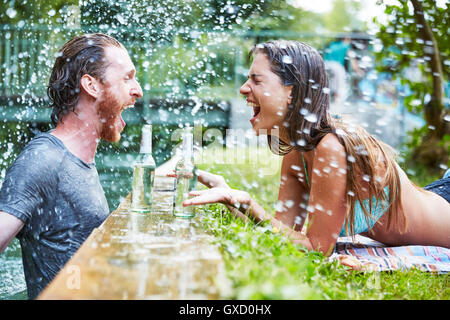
(108, 112)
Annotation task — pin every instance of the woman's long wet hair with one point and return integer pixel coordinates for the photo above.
(308, 120)
(82, 55)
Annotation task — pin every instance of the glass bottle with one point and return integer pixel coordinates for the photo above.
(143, 174)
(186, 180)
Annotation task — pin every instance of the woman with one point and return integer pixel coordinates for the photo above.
(338, 176)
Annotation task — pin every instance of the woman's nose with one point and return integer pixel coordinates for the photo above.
(245, 89)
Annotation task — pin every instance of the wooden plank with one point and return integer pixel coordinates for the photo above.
(144, 256)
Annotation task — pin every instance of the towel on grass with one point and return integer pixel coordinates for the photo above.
(369, 255)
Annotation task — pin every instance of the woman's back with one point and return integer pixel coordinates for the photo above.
(427, 218)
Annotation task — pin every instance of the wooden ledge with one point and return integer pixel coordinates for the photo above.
(144, 256)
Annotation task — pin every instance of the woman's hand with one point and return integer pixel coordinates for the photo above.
(226, 196)
(211, 180)
(206, 178)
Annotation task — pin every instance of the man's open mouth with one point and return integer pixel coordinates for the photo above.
(128, 106)
(121, 116)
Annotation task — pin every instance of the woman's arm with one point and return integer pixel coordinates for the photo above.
(241, 204)
(293, 193)
(326, 205)
(327, 200)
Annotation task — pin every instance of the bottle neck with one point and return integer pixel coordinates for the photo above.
(146, 139)
(187, 146)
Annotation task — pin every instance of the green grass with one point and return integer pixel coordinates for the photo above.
(264, 265)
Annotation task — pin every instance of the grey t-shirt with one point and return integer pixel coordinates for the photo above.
(59, 198)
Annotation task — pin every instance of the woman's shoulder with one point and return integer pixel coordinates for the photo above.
(330, 145)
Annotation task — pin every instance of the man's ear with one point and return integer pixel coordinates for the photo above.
(90, 85)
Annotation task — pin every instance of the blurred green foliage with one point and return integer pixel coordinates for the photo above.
(404, 52)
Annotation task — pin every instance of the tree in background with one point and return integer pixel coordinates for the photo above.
(32, 11)
(416, 34)
(343, 16)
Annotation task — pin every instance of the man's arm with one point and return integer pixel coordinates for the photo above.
(9, 228)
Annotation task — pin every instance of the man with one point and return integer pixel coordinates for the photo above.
(51, 198)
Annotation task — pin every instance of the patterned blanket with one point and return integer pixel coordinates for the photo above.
(368, 255)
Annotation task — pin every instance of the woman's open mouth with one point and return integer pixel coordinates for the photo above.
(256, 110)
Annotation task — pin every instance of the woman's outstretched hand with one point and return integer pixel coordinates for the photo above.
(227, 196)
(219, 192)
(211, 180)
(208, 179)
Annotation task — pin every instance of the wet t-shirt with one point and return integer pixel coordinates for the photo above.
(59, 198)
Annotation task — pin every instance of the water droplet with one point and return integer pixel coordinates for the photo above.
(287, 59)
(334, 164)
(279, 206)
(311, 118)
(10, 12)
(340, 132)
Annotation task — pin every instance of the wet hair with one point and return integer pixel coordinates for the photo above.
(308, 120)
(82, 55)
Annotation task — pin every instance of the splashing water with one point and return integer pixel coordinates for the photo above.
(185, 53)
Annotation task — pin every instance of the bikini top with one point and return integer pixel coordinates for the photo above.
(360, 219)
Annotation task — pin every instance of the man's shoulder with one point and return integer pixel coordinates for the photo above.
(44, 146)
(43, 152)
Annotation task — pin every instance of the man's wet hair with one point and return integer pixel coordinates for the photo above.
(82, 55)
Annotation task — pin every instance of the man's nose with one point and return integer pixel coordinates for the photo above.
(136, 91)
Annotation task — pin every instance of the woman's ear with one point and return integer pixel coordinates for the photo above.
(289, 97)
(90, 85)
